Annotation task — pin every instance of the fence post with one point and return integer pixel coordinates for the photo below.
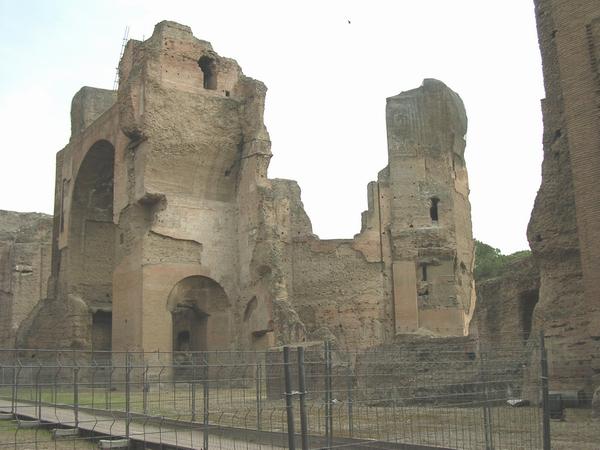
(328, 396)
(193, 386)
(59, 369)
(545, 400)
(326, 390)
(38, 392)
(108, 387)
(350, 401)
(76, 394)
(13, 407)
(258, 396)
(302, 389)
(487, 431)
(205, 401)
(146, 389)
(127, 394)
(289, 407)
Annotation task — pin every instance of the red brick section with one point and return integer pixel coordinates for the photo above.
(569, 34)
(576, 42)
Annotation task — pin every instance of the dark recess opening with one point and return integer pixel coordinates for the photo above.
(527, 302)
(423, 272)
(183, 341)
(102, 333)
(433, 209)
(209, 69)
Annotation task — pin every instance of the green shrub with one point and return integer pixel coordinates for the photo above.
(490, 262)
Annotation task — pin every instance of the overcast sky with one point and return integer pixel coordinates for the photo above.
(329, 66)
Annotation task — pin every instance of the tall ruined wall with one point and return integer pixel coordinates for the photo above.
(168, 235)
(25, 251)
(162, 207)
(410, 268)
(427, 224)
(504, 312)
(187, 139)
(80, 286)
(563, 231)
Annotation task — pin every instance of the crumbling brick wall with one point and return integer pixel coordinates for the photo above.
(25, 241)
(163, 204)
(563, 231)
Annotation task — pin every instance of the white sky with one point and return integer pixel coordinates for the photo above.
(328, 80)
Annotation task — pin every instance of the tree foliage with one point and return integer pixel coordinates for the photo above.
(490, 262)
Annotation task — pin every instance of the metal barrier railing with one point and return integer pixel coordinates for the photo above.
(425, 394)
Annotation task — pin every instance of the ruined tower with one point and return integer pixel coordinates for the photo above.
(429, 217)
(409, 270)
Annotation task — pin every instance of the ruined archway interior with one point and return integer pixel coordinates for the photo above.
(102, 334)
(200, 313)
(91, 239)
(527, 302)
(209, 70)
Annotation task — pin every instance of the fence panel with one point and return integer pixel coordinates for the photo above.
(426, 393)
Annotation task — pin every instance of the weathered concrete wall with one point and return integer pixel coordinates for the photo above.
(563, 232)
(161, 186)
(410, 268)
(25, 252)
(425, 225)
(338, 293)
(505, 308)
(166, 220)
(88, 104)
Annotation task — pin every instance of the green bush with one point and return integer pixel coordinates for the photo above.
(490, 262)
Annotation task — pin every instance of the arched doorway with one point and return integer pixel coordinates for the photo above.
(527, 302)
(91, 239)
(201, 315)
(209, 70)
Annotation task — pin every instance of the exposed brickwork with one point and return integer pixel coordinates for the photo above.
(25, 241)
(564, 231)
(162, 205)
(504, 311)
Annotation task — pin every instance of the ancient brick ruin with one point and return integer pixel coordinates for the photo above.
(25, 255)
(557, 291)
(563, 233)
(168, 235)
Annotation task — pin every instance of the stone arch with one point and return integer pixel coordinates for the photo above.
(201, 315)
(91, 234)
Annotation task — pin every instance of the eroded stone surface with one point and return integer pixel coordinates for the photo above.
(25, 252)
(563, 232)
(596, 404)
(504, 313)
(170, 236)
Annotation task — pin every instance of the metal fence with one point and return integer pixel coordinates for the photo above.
(425, 394)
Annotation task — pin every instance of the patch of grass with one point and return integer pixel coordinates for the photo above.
(39, 438)
(461, 427)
